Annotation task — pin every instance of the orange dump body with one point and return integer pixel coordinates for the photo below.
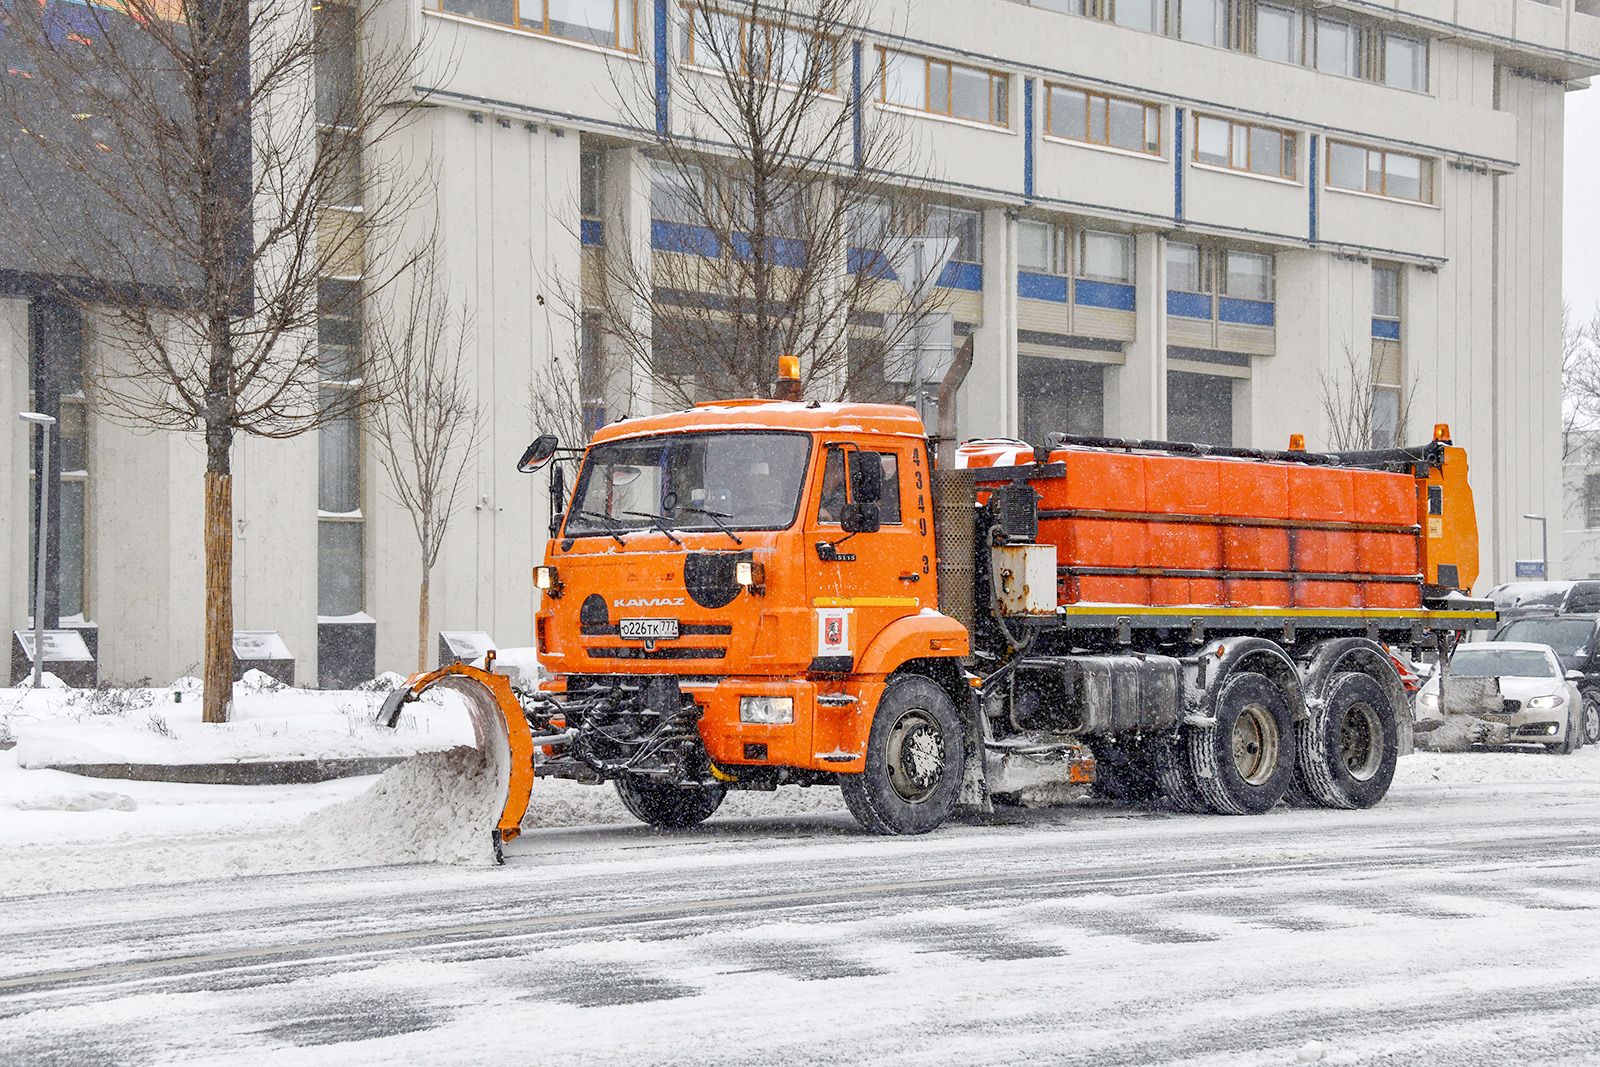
(1157, 529)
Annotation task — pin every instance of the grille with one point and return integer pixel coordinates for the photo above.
(955, 495)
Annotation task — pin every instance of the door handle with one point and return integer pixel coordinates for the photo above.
(911, 577)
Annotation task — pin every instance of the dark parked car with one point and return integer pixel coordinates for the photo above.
(1515, 600)
(1576, 641)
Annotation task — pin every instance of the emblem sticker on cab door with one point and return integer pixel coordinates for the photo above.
(833, 631)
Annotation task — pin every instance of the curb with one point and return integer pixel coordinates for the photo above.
(257, 772)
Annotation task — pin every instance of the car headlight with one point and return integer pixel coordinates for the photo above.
(769, 711)
(1547, 702)
(1428, 699)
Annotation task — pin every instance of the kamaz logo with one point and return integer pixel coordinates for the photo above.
(650, 602)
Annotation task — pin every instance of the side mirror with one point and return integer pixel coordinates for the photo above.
(538, 453)
(861, 516)
(1576, 676)
(866, 479)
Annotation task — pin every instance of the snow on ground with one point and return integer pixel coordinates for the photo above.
(269, 722)
(61, 832)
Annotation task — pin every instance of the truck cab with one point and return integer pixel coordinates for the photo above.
(775, 560)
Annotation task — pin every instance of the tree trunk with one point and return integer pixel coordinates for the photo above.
(219, 597)
(422, 624)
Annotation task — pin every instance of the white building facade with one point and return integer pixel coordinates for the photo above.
(1175, 219)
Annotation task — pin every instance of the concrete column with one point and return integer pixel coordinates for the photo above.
(1137, 394)
(626, 207)
(989, 398)
(14, 457)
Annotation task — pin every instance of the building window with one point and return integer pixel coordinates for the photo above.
(1591, 501)
(1380, 172)
(1278, 32)
(607, 23)
(675, 193)
(1188, 268)
(1200, 408)
(944, 88)
(1386, 416)
(1204, 22)
(341, 529)
(758, 47)
(334, 35)
(1247, 275)
(1261, 150)
(1041, 246)
(1097, 118)
(1137, 14)
(1060, 396)
(1405, 62)
(1338, 47)
(591, 182)
(1386, 292)
(964, 224)
(1105, 257)
(1070, 7)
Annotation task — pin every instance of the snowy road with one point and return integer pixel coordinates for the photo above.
(1454, 924)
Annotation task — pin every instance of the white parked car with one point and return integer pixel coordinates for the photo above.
(1502, 693)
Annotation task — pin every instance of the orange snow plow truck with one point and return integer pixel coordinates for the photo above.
(755, 593)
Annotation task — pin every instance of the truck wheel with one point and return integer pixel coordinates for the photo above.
(1170, 758)
(1243, 764)
(915, 761)
(1346, 749)
(671, 807)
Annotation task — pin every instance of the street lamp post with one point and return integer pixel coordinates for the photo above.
(44, 422)
(1544, 542)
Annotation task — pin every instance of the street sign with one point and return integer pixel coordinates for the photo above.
(1531, 568)
(463, 646)
(60, 646)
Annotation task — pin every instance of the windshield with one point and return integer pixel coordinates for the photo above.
(1500, 663)
(1569, 637)
(693, 481)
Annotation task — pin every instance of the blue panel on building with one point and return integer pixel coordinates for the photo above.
(682, 237)
(1041, 287)
(1103, 294)
(1387, 329)
(860, 259)
(968, 276)
(592, 232)
(1188, 305)
(1246, 312)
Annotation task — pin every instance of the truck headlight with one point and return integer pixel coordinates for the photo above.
(753, 576)
(1547, 702)
(1428, 699)
(769, 711)
(548, 580)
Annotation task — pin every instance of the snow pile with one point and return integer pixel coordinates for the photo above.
(437, 807)
(557, 803)
(1481, 768)
(92, 800)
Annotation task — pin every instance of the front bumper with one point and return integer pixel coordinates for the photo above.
(829, 731)
(1458, 731)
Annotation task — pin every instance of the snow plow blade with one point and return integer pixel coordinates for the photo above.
(498, 726)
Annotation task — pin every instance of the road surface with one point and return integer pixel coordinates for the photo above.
(1455, 924)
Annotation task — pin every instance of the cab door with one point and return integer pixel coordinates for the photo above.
(862, 582)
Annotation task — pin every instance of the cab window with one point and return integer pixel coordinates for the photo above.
(831, 504)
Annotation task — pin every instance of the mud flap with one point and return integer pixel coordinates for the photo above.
(499, 728)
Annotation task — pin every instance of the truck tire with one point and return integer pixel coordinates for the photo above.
(915, 760)
(1170, 758)
(671, 807)
(1345, 751)
(1243, 763)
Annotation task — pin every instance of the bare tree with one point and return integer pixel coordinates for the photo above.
(191, 172)
(426, 424)
(1351, 396)
(778, 234)
(1580, 379)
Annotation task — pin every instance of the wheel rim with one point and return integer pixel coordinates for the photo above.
(1591, 723)
(1361, 741)
(916, 756)
(1255, 744)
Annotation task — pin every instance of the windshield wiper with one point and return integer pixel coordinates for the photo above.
(609, 529)
(716, 517)
(660, 523)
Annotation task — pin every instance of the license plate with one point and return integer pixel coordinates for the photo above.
(649, 629)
